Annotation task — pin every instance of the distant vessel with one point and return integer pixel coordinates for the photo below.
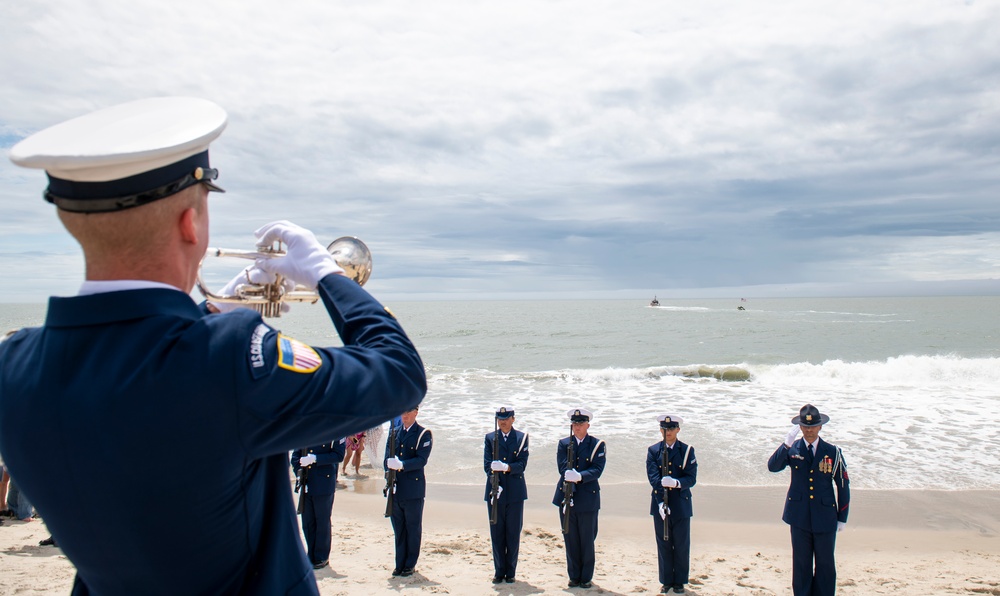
(654, 302)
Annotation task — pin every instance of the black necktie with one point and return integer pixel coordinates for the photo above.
(812, 453)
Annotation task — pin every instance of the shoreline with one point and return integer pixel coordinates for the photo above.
(896, 542)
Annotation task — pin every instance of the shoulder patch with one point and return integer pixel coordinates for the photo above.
(256, 345)
(296, 356)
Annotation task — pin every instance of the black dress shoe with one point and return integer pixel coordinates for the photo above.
(406, 571)
(573, 583)
(497, 579)
(321, 564)
(586, 585)
(509, 580)
(397, 572)
(665, 589)
(678, 588)
(50, 541)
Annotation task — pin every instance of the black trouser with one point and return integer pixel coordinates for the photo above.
(808, 547)
(580, 545)
(674, 555)
(407, 524)
(506, 537)
(316, 513)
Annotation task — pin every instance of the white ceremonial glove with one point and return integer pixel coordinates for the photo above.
(307, 460)
(250, 275)
(306, 261)
(572, 476)
(670, 482)
(499, 466)
(394, 463)
(841, 525)
(664, 511)
(790, 437)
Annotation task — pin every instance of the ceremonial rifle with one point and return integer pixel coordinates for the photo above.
(301, 477)
(390, 474)
(663, 472)
(495, 478)
(568, 486)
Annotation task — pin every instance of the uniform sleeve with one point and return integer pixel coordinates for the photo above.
(289, 393)
(419, 460)
(335, 455)
(653, 470)
(843, 483)
(596, 465)
(296, 456)
(778, 460)
(521, 461)
(688, 476)
(488, 454)
(562, 457)
(387, 452)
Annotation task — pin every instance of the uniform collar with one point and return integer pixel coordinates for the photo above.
(117, 285)
(112, 307)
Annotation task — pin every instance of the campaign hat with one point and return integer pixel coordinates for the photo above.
(810, 415)
(125, 155)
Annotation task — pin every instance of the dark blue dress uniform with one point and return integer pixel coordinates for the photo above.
(812, 509)
(588, 459)
(506, 533)
(674, 555)
(140, 400)
(317, 497)
(413, 447)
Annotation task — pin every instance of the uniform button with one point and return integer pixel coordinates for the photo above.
(811, 488)
(810, 496)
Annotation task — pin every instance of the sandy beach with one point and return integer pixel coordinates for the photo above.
(897, 542)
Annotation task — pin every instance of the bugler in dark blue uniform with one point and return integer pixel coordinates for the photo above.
(671, 499)
(585, 470)
(139, 399)
(816, 505)
(413, 447)
(509, 465)
(317, 495)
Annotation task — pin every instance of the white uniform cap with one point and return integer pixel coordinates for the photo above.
(580, 413)
(669, 419)
(134, 153)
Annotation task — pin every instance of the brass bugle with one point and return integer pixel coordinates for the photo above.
(350, 253)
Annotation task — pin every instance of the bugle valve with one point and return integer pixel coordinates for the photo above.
(350, 254)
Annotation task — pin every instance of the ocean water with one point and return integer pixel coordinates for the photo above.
(912, 385)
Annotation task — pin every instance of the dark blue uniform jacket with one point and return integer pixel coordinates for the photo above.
(153, 437)
(811, 503)
(321, 477)
(684, 469)
(513, 452)
(588, 460)
(411, 482)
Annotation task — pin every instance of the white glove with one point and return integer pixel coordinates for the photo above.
(664, 511)
(306, 261)
(669, 482)
(250, 275)
(499, 466)
(572, 476)
(841, 525)
(307, 460)
(394, 463)
(790, 437)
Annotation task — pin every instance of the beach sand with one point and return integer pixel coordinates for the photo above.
(896, 542)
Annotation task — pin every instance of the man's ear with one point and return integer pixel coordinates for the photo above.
(189, 225)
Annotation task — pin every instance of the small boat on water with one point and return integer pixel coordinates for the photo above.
(654, 302)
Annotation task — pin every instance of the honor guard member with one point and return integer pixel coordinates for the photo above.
(505, 456)
(672, 470)
(583, 471)
(138, 398)
(817, 503)
(412, 448)
(316, 470)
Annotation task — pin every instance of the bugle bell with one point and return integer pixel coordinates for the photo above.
(350, 253)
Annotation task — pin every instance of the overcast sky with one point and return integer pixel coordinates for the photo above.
(577, 148)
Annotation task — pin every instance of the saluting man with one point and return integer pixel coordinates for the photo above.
(413, 447)
(671, 502)
(508, 465)
(107, 381)
(321, 464)
(583, 470)
(817, 503)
